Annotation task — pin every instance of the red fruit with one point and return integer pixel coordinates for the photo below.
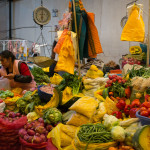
(109, 85)
(106, 85)
(30, 132)
(1, 101)
(110, 82)
(146, 104)
(110, 77)
(144, 113)
(148, 110)
(132, 112)
(114, 76)
(119, 81)
(117, 78)
(121, 104)
(114, 80)
(143, 109)
(123, 81)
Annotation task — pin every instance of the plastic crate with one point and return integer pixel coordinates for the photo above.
(143, 120)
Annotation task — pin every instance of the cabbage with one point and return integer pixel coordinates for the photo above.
(110, 121)
(52, 116)
(118, 133)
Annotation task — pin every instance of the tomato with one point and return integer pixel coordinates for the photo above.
(123, 81)
(114, 80)
(119, 81)
(143, 109)
(1, 101)
(146, 104)
(132, 112)
(106, 85)
(114, 76)
(110, 82)
(148, 110)
(110, 77)
(144, 113)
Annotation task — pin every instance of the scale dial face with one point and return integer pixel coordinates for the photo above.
(41, 15)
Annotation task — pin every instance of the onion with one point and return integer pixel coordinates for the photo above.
(22, 132)
(30, 132)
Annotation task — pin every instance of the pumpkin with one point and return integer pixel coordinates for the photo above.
(141, 138)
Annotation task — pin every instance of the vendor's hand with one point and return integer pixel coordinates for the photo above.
(10, 76)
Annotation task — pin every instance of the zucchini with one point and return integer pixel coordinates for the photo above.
(141, 138)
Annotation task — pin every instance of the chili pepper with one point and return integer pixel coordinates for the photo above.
(136, 103)
(128, 92)
(111, 93)
(147, 97)
(117, 114)
(127, 109)
(121, 104)
(132, 112)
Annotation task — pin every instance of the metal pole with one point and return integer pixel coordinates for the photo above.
(10, 19)
(148, 44)
(76, 30)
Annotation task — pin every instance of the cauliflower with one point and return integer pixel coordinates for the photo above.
(118, 133)
(110, 121)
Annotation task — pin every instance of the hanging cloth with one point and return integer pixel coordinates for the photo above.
(134, 29)
(94, 45)
(66, 58)
(81, 17)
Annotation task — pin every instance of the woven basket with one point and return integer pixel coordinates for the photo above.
(41, 61)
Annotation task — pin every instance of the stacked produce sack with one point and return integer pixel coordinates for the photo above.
(93, 81)
(10, 123)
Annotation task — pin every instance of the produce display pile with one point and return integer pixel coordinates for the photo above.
(82, 113)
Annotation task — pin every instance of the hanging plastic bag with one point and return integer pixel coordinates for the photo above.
(66, 60)
(134, 30)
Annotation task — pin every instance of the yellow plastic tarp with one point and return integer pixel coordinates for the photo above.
(134, 30)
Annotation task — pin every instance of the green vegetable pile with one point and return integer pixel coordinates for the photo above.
(52, 116)
(72, 81)
(39, 75)
(26, 103)
(5, 94)
(94, 133)
(142, 72)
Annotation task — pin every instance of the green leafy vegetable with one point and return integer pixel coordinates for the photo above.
(39, 75)
(52, 116)
(72, 81)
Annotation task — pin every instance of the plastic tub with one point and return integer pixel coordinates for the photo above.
(143, 120)
(45, 97)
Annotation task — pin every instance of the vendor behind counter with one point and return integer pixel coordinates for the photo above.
(16, 71)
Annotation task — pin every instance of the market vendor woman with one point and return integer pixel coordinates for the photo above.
(16, 71)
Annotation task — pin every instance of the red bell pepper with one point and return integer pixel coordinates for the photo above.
(132, 112)
(127, 109)
(117, 114)
(121, 104)
(136, 103)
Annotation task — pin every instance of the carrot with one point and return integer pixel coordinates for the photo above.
(112, 148)
(111, 93)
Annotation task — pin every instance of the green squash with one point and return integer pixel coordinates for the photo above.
(105, 93)
(141, 138)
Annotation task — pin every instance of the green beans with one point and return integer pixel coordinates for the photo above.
(94, 133)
